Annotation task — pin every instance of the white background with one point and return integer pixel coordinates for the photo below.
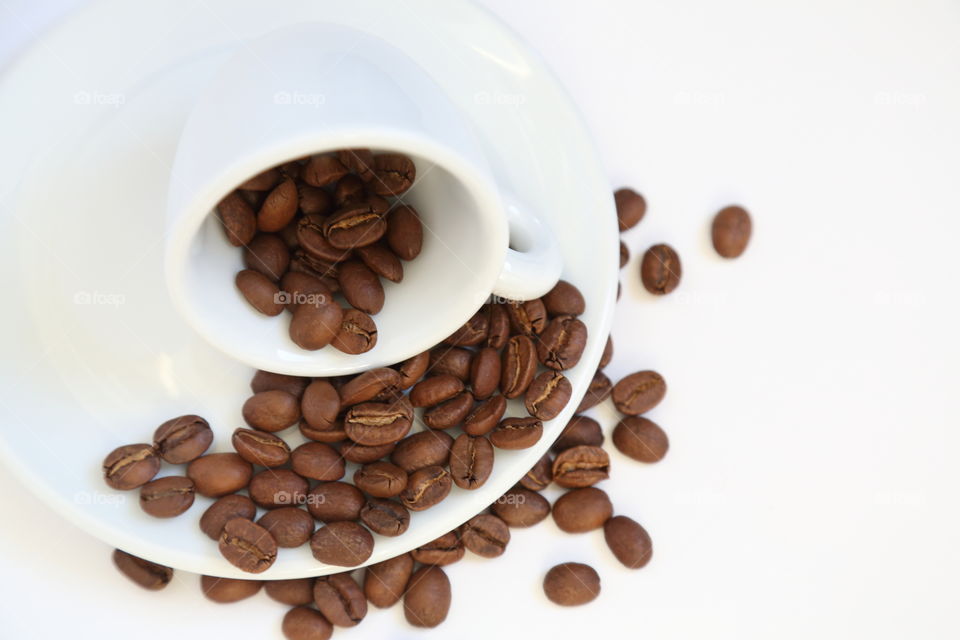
(811, 485)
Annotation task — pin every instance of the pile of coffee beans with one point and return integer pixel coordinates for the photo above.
(320, 227)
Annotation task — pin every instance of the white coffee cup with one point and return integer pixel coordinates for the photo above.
(315, 88)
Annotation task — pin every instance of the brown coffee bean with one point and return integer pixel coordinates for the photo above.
(454, 361)
(271, 410)
(631, 208)
(639, 392)
(450, 413)
(412, 369)
(394, 174)
(334, 433)
(660, 269)
(380, 479)
(521, 508)
(321, 171)
(340, 599)
(547, 395)
(431, 391)
(359, 161)
(426, 487)
(335, 502)
(277, 488)
(302, 289)
(377, 423)
(260, 447)
(485, 416)
(562, 343)
(148, 575)
(365, 454)
(182, 439)
(471, 461)
(227, 590)
(582, 510)
(314, 326)
(314, 200)
(224, 509)
(385, 582)
(289, 526)
(263, 181)
(267, 254)
(599, 390)
(571, 584)
(368, 385)
(581, 467)
(317, 461)
(641, 439)
(304, 623)
(217, 474)
(303, 262)
(629, 542)
(731, 231)
(423, 449)
(262, 294)
(279, 208)
(357, 333)
(518, 366)
(540, 475)
(427, 600)
(473, 332)
(294, 591)
(498, 325)
(404, 232)
(485, 535)
(269, 381)
(320, 405)
(624, 254)
(248, 546)
(238, 219)
(485, 373)
(349, 188)
(564, 300)
(311, 238)
(581, 430)
(517, 433)
(361, 287)
(167, 497)
(607, 355)
(385, 517)
(528, 318)
(381, 261)
(441, 551)
(344, 544)
(357, 223)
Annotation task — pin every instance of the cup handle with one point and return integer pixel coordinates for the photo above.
(533, 263)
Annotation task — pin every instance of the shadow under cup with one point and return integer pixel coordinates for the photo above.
(462, 255)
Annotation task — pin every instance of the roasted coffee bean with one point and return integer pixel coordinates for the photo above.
(471, 461)
(427, 600)
(217, 474)
(359, 161)
(324, 270)
(562, 343)
(441, 551)
(564, 300)
(248, 546)
(267, 254)
(227, 590)
(582, 510)
(598, 390)
(380, 479)
(628, 541)
(581, 430)
(317, 461)
(607, 355)
(472, 333)
(271, 410)
(412, 369)
(289, 526)
(344, 544)
(368, 385)
(377, 423)
(423, 449)
(517, 433)
(333, 434)
(335, 501)
(295, 592)
(571, 584)
(385, 582)
(340, 599)
(303, 289)
(485, 416)
(518, 367)
(660, 269)
(279, 208)
(624, 254)
(731, 231)
(167, 497)
(498, 326)
(357, 223)
(238, 219)
(394, 173)
(485, 373)
(426, 487)
(581, 466)
(260, 447)
(450, 413)
(385, 517)
(349, 188)
(528, 318)
(404, 232)
(547, 395)
(148, 575)
(641, 439)
(485, 535)
(540, 475)
(324, 170)
(304, 623)
(320, 404)
(224, 509)
(361, 287)
(269, 381)
(314, 326)
(365, 454)
(311, 238)
(639, 392)
(631, 208)
(357, 333)
(262, 294)
(314, 200)
(454, 361)
(521, 507)
(381, 261)
(431, 391)
(263, 181)
(182, 439)
(277, 488)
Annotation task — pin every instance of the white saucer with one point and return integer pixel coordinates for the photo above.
(93, 354)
